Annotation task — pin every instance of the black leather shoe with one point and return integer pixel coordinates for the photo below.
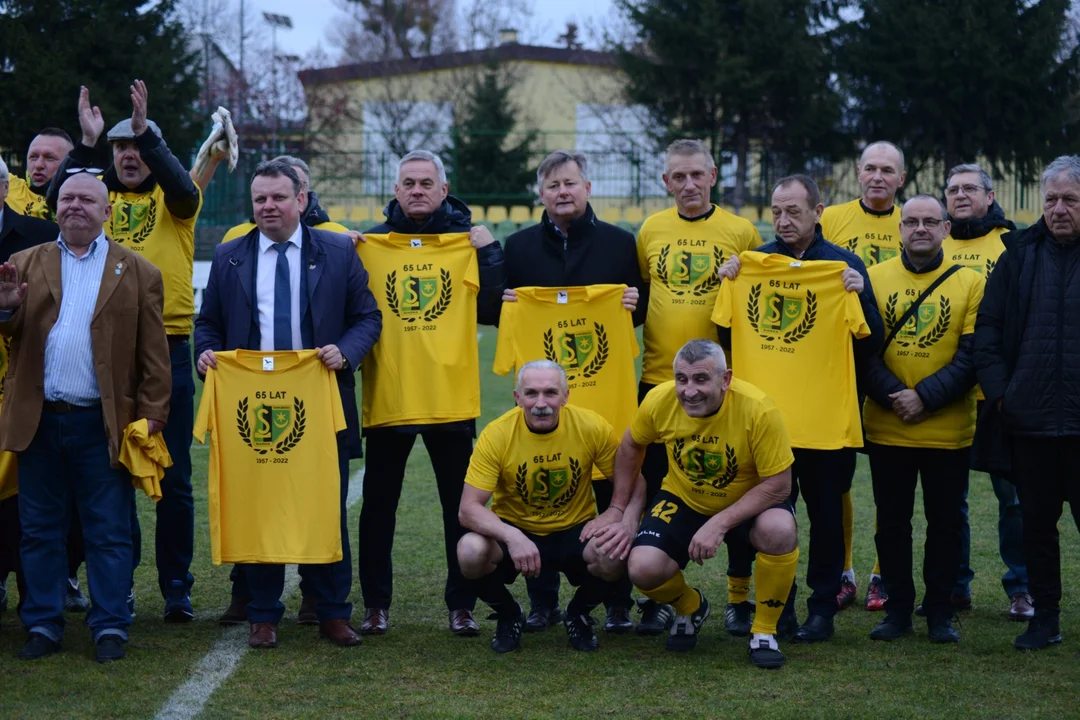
(540, 619)
(737, 618)
(109, 648)
(1041, 633)
(236, 613)
(817, 628)
(893, 627)
(941, 630)
(618, 621)
(38, 646)
(655, 618)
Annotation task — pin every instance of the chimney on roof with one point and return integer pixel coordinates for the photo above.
(508, 36)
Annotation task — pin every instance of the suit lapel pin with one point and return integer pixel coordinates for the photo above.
(119, 267)
(311, 265)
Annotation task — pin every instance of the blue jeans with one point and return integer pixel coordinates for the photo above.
(174, 540)
(69, 458)
(1010, 542)
(330, 583)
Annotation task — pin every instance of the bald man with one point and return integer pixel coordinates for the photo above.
(90, 357)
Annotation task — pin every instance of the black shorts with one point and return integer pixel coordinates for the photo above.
(561, 551)
(670, 524)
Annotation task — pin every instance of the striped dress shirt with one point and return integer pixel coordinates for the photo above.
(69, 355)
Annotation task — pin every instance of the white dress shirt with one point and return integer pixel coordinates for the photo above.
(264, 288)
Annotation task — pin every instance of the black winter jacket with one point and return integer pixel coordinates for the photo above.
(937, 390)
(1027, 338)
(593, 253)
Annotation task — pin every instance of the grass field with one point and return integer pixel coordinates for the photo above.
(420, 670)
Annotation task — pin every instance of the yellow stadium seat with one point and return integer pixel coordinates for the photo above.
(611, 215)
(477, 214)
(359, 214)
(538, 213)
(336, 213)
(634, 215)
(750, 213)
(496, 214)
(520, 214)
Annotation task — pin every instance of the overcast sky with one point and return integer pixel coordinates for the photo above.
(310, 26)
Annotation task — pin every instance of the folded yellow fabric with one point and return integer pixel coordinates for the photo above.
(145, 456)
(9, 475)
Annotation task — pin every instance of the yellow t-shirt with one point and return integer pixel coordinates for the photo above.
(141, 222)
(425, 368)
(275, 487)
(923, 346)
(792, 324)
(679, 259)
(980, 254)
(542, 482)
(25, 201)
(584, 329)
(9, 469)
(873, 236)
(244, 228)
(714, 461)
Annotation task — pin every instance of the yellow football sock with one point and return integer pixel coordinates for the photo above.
(877, 560)
(849, 528)
(738, 589)
(677, 593)
(773, 576)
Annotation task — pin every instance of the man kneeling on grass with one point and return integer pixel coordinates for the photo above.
(729, 477)
(538, 462)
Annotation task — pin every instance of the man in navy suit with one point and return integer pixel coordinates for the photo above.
(336, 313)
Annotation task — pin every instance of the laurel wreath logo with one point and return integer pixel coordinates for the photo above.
(285, 444)
(731, 461)
(941, 327)
(433, 312)
(805, 325)
(709, 282)
(990, 265)
(593, 366)
(521, 486)
(143, 232)
(753, 311)
(852, 244)
(676, 450)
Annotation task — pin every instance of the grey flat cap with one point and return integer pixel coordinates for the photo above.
(122, 130)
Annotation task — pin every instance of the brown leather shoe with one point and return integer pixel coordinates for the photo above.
(236, 613)
(462, 623)
(339, 632)
(307, 614)
(263, 635)
(1021, 608)
(376, 621)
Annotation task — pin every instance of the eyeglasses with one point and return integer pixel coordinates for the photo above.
(928, 223)
(77, 170)
(954, 190)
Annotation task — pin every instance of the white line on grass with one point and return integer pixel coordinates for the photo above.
(217, 665)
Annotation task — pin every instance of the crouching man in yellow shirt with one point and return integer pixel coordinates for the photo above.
(729, 475)
(537, 460)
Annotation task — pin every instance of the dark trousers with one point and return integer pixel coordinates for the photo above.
(544, 588)
(10, 534)
(387, 452)
(823, 476)
(69, 458)
(331, 583)
(1047, 473)
(944, 474)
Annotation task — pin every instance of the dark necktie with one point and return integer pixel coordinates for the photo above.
(283, 339)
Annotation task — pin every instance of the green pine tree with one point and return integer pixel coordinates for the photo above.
(490, 158)
(48, 48)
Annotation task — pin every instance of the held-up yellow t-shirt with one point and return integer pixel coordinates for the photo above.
(25, 201)
(244, 228)
(679, 259)
(792, 324)
(141, 222)
(873, 236)
(925, 344)
(981, 255)
(584, 329)
(543, 482)
(713, 461)
(9, 469)
(425, 368)
(275, 485)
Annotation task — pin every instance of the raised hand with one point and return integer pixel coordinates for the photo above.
(90, 121)
(138, 107)
(11, 291)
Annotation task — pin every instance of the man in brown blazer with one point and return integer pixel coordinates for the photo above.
(88, 357)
